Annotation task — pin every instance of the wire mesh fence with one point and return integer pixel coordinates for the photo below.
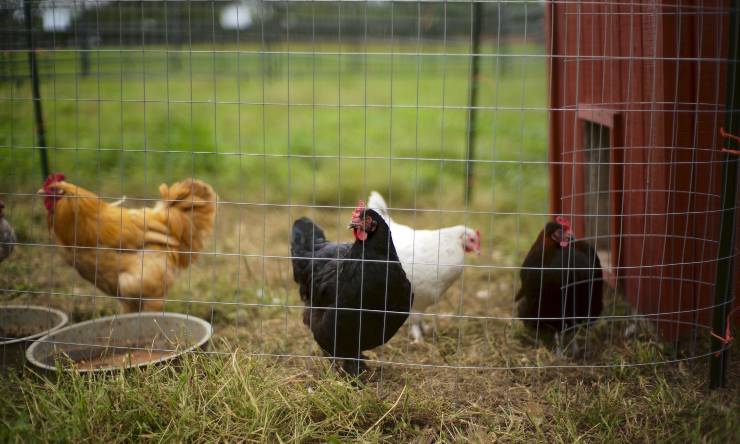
(475, 124)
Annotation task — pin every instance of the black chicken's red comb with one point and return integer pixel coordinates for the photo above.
(358, 211)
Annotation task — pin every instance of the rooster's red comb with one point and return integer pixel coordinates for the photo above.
(54, 177)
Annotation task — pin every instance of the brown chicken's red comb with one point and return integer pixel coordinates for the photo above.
(54, 177)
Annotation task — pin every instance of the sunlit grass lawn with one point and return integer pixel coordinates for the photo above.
(274, 127)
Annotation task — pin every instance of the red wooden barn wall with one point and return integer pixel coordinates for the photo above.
(653, 73)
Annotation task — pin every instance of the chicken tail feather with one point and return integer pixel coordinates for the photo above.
(305, 237)
(377, 203)
(190, 207)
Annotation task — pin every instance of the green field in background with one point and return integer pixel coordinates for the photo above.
(301, 124)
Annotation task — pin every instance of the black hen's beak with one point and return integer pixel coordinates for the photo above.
(355, 224)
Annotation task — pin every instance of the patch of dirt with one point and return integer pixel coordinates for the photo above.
(120, 358)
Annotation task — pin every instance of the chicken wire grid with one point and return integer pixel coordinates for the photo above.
(496, 116)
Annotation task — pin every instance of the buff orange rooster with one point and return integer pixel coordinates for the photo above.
(132, 254)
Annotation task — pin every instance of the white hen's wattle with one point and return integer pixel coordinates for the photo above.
(432, 259)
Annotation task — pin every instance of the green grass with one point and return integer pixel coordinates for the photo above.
(279, 130)
(234, 397)
(276, 128)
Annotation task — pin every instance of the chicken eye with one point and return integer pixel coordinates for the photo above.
(557, 235)
(369, 224)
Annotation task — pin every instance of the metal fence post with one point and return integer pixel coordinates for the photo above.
(33, 67)
(473, 96)
(724, 281)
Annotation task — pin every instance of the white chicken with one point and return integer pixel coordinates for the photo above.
(432, 259)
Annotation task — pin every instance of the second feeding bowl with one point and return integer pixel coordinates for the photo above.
(22, 324)
(119, 342)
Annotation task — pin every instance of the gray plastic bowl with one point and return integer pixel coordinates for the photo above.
(22, 324)
(121, 341)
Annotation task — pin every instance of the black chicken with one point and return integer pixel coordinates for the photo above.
(561, 280)
(357, 295)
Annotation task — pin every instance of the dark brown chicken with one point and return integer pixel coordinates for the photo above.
(561, 280)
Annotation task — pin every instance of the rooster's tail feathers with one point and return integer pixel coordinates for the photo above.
(191, 209)
(188, 194)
